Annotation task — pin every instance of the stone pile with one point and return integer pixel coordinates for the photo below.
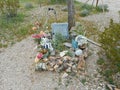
(61, 64)
(68, 61)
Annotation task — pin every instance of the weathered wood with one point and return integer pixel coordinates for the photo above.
(91, 41)
(71, 12)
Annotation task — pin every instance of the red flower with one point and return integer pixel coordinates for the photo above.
(37, 36)
(40, 55)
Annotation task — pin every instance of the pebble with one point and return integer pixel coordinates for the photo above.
(64, 75)
(78, 52)
(69, 45)
(63, 53)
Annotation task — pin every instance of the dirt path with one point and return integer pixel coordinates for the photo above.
(17, 69)
(103, 19)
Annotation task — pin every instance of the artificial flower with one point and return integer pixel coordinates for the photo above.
(40, 55)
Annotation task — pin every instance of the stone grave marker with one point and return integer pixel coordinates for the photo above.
(61, 28)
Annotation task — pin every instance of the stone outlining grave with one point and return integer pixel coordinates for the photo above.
(70, 60)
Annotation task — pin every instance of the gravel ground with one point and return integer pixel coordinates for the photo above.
(17, 63)
(17, 70)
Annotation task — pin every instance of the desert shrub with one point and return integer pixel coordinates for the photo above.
(57, 1)
(11, 22)
(9, 7)
(86, 6)
(110, 41)
(84, 13)
(101, 7)
(28, 5)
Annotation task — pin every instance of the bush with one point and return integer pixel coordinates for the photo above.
(86, 6)
(101, 7)
(57, 1)
(84, 13)
(9, 7)
(28, 5)
(110, 41)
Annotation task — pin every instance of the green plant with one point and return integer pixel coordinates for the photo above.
(80, 30)
(84, 13)
(28, 5)
(86, 6)
(110, 41)
(100, 61)
(58, 42)
(108, 76)
(57, 1)
(100, 8)
(11, 22)
(9, 7)
(83, 81)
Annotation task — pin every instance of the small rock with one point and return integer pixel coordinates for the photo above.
(76, 59)
(65, 75)
(78, 52)
(69, 45)
(36, 60)
(52, 53)
(52, 58)
(85, 54)
(52, 63)
(60, 62)
(56, 66)
(63, 53)
(81, 62)
(44, 67)
(68, 70)
(45, 59)
(67, 58)
(74, 69)
(41, 66)
(65, 66)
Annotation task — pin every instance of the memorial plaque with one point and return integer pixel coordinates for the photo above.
(61, 28)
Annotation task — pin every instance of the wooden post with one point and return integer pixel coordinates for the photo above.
(71, 12)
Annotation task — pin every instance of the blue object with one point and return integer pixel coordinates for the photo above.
(74, 44)
(61, 28)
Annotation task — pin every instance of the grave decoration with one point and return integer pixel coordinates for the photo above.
(70, 60)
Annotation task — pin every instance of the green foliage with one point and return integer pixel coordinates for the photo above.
(9, 7)
(28, 5)
(101, 7)
(100, 61)
(108, 76)
(110, 41)
(14, 34)
(80, 30)
(84, 13)
(11, 22)
(86, 6)
(83, 81)
(58, 42)
(57, 1)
